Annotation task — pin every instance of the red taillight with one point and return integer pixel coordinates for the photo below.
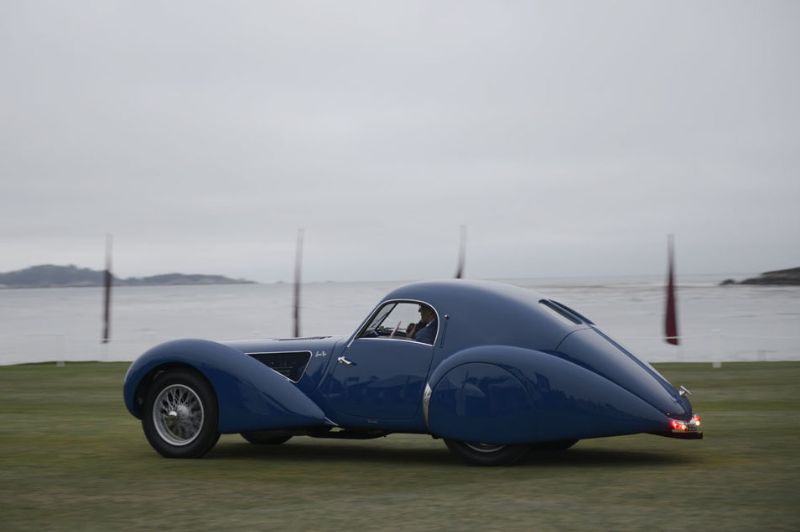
(677, 425)
(682, 426)
(687, 430)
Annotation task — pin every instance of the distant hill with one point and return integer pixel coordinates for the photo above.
(789, 277)
(52, 276)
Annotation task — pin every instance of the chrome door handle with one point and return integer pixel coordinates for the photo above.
(343, 360)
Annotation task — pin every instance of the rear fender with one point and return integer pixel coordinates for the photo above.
(504, 394)
(250, 395)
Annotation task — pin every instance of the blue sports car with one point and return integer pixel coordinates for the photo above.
(492, 369)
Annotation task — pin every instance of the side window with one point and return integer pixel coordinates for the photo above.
(404, 320)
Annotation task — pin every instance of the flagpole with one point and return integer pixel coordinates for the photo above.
(462, 251)
(671, 310)
(298, 261)
(107, 282)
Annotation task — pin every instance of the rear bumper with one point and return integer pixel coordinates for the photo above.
(696, 435)
(684, 430)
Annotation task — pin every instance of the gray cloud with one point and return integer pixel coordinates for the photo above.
(569, 137)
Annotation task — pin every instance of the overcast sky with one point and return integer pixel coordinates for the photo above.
(569, 137)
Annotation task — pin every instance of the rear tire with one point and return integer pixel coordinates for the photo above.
(487, 454)
(267, 437)
(180, 414)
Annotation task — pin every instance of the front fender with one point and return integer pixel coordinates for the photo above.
(504, 394)
(250, 395)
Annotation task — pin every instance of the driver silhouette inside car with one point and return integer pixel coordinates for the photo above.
(425, 329)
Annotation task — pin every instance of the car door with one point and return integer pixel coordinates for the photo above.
(381, 374)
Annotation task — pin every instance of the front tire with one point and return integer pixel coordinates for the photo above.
(487, 454)
(180, 414)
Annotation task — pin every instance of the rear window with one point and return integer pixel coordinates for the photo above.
(566, 312)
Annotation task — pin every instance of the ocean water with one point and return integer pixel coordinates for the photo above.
(731, 323)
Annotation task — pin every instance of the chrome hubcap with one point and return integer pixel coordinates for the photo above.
(483, 447)
(178, 415)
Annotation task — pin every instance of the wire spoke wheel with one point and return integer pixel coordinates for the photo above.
(178, 415)
(180, 419)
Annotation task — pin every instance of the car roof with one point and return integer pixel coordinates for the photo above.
(488, 312)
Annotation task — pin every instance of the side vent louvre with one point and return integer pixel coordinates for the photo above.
(290, 365)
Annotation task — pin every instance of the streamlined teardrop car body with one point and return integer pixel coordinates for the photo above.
(495, 370)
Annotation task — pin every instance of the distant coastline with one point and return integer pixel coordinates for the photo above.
(53, 276)
(789, 277)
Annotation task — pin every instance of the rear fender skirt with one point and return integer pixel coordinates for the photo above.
(250, 395)
(503, 394)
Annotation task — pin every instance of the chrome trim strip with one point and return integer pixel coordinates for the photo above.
(404, 340)
(310, 356)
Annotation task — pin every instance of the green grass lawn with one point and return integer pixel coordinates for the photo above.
(71, 457)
